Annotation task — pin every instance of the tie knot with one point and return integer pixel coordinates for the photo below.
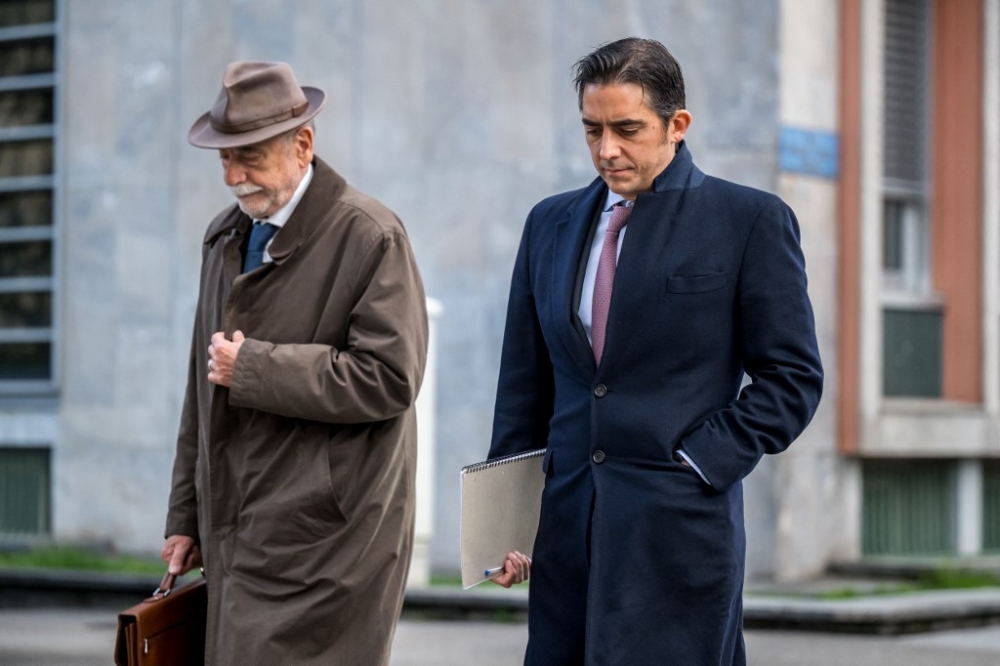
(619, 217)
(260, 234)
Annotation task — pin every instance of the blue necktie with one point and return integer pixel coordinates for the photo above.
(261, 233)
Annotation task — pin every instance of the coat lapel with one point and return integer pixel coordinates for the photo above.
(643, 258)
(321, 195)
(326, 188)
(571, 235)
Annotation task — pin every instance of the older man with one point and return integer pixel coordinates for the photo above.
(294, 474)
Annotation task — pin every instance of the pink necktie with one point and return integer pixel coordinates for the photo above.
(606, 278)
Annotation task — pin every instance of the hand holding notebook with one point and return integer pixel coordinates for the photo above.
(501, 501)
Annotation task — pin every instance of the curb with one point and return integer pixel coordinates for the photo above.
(884, 614)
(889, 614)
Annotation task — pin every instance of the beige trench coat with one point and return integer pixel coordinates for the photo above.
(298, 480)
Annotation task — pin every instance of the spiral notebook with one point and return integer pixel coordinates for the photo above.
(501, 501)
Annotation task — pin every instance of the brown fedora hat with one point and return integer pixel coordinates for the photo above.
(258, 100)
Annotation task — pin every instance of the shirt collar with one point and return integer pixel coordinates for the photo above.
(282, 214)
(611, 200)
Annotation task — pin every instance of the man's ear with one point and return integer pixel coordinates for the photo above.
(303, 144)
(678, 125)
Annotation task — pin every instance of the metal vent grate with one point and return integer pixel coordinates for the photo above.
(906, 90)
(24, 491)
(908, 507)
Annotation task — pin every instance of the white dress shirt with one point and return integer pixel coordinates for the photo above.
(585, 311)
(282, 214)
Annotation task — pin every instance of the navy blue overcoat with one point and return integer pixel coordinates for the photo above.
(637, 559)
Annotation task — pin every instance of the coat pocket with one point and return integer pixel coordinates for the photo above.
(695, 284)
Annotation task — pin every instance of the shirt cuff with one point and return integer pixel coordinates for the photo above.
(694, 466)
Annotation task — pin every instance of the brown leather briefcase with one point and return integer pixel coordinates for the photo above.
(166, 628)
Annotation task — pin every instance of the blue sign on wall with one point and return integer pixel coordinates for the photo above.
(809, 152)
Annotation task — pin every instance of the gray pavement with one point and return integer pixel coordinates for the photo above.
(84, 637)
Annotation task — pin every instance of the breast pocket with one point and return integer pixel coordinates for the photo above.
(695, 284)
(697, 316)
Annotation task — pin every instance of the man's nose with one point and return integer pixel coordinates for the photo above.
(610, 148)
(234, 174)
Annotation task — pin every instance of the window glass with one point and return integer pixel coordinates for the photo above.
(911, 353)
(25, 360)
(26, 107)
(892, 241)
(25, 209)
(26, 158)
(26, 259)
(23, 12)
(28, 56)
(26, 309)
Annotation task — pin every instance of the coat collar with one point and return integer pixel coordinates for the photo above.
(680, 174)
(327, 187)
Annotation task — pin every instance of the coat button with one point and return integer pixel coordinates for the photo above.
(598, 456)
(600, 390)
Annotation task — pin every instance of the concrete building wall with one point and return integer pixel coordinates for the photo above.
(811, 518)
(459, 116)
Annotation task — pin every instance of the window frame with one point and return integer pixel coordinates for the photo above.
(49, 233)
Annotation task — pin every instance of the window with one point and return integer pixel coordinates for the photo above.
(906, 99)
(905, 258)
(905, 142)
(991, 506)
(912, 315)
(911, 352)
(27, 189)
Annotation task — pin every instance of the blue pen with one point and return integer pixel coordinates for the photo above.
(489, 573)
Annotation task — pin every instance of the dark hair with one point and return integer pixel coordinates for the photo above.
(644, 62)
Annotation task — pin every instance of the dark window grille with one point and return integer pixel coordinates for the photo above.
(28, 239)
(25, 492)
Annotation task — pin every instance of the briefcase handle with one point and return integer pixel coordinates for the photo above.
(167, 585)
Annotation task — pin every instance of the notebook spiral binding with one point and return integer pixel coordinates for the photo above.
(503, 460)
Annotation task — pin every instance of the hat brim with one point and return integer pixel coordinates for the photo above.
(203, 135)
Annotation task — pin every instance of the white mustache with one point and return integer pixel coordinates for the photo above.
(243, 189)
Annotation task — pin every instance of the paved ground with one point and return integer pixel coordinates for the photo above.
(966, 647)
(83, 637)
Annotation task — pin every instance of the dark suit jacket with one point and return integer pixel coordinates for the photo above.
(638, 560)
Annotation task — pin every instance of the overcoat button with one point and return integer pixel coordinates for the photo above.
(600, 390)
(598, 456)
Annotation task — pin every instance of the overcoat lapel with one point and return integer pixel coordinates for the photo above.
(303, 222)
(647, 252)
(571, 235)
(300, 226)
